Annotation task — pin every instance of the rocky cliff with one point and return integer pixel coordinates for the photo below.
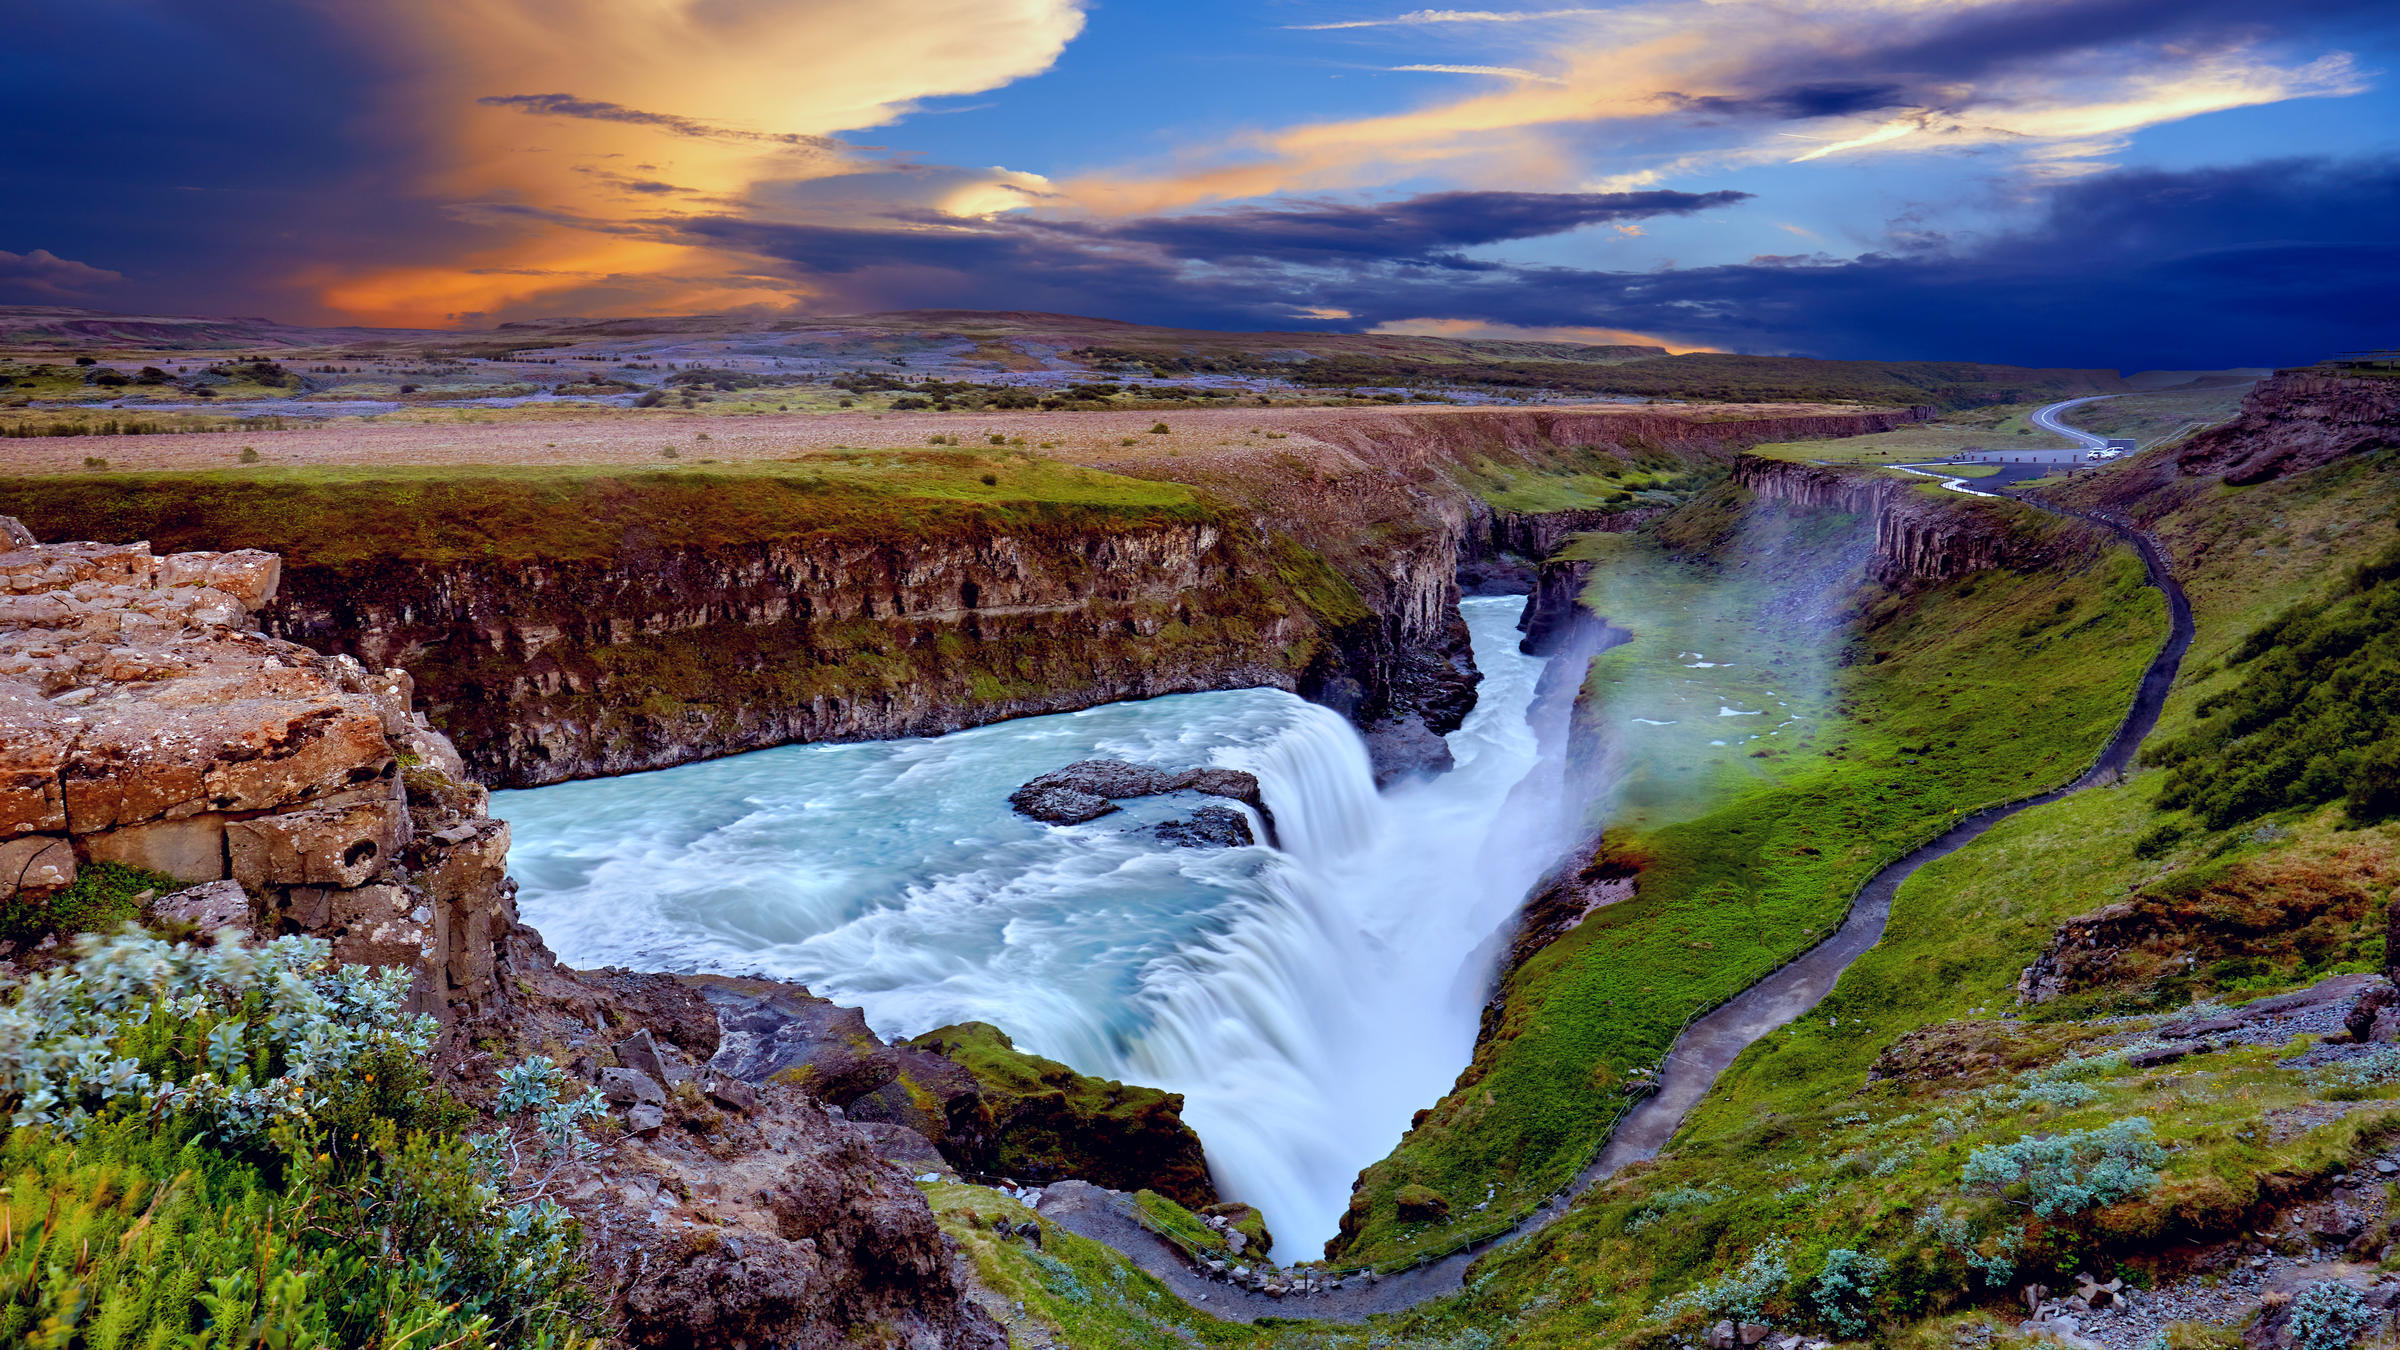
(145, 723)
(654, 656)
(1920, 533)
(2294, 422)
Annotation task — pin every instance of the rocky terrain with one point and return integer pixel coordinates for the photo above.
(150, 727)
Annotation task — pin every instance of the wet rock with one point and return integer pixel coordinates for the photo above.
(1091, 788)
(1405, 747)
(1060, 805)
(1209, 827)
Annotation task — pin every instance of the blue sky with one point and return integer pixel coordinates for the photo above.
(2129, 183)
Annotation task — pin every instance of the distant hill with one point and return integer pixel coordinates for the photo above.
(965, 342)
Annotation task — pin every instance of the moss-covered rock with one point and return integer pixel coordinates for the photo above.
(1420, 1204)
(1048, 1122)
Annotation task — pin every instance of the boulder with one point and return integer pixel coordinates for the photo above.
(2376, 1014)
(1209, 827)
(1057, 805)
(631, 1087)
(640, 1053)
(1091, 788)
(731, 1093)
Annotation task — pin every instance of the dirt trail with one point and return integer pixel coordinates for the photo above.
(1706, 1048)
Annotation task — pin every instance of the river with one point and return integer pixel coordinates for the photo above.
(1305, 1001)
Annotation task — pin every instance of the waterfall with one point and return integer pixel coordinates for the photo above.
(1305, 1001)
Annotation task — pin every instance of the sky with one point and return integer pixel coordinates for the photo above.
(2138, 184)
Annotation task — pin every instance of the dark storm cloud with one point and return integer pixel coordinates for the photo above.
(1808, 100)
(1416, 231)
(595, 110)
(1927, 60)
(2255, 264)
(212, 154)
(1424, 227)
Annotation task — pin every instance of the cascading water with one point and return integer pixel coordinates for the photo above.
(1305, 1002)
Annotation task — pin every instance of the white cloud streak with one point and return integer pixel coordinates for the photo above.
(1417, 18)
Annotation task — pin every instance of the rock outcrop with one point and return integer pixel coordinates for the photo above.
(144, 721)
(1090, 789)
(966, 1091)
(2294, 422)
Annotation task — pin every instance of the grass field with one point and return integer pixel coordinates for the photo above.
(339, 516)
(2007, 427)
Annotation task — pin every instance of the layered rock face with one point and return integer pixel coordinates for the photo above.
(143, 721)
(658, 656)
(2294, 422)
(1917, 535)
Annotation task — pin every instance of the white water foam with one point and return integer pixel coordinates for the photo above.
(1305, 1002)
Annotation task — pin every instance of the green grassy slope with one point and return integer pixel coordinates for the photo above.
(1898, 711)
(1797, 1145)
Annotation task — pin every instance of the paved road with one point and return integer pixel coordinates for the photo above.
(2047, 420)
(1705, 1048)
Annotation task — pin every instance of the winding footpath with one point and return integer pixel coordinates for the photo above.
(1704, 1050)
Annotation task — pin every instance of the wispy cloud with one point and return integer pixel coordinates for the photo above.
(598, 110)
(1416, 18)
(2052, 87)
(1505, 72)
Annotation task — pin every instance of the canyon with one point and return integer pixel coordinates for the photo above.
(632, 621)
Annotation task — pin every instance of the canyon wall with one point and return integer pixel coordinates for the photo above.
(1921, 533)
(613, 621)
(657, 655)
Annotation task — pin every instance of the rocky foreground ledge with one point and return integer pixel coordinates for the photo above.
(254, 785)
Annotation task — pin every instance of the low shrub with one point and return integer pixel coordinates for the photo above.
(2066, 1174)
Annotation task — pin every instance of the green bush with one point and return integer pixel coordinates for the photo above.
(1844, 1290)
(2328, 1316)
(2066, 1174)
(239, 1146)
